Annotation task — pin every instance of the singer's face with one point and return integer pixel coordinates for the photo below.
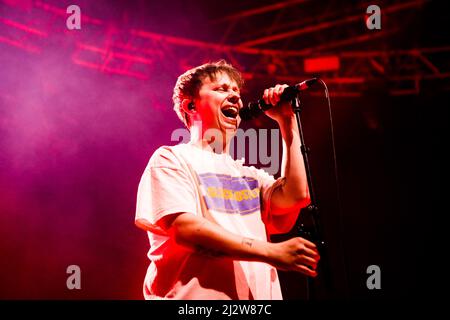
(218, 104)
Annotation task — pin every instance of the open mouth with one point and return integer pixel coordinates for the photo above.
(231, 112)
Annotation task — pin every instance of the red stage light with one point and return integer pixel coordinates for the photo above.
(328, 63)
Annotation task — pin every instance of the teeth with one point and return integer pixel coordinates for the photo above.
(230, 108)
(230, 111)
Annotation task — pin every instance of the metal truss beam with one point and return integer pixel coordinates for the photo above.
(328, 24)
(260, 10)
(135, 53)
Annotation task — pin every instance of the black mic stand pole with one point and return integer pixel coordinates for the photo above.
(313, 209)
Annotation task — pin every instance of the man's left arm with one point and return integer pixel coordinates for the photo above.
(292, 194)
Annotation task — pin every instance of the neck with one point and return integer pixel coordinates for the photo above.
(210, 140)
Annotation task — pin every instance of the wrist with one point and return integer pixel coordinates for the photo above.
(288, 129)
(268, 252)
(260, 250)
(287, 124)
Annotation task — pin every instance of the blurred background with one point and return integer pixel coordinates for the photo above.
(81, 112)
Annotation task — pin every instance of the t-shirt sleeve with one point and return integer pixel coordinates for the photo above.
(267, 184)
(164, 189)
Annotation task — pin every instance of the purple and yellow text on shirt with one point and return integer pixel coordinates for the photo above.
(224, 193)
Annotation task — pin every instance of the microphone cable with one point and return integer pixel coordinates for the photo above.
(338, 193)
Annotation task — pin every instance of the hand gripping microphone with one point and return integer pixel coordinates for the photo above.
(254, 109)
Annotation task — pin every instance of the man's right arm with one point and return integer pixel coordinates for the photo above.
(199, 234)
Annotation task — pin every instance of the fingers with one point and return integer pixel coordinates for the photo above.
(307, 261)
(307, 246)
(306, 271)
(308, 257)
(297, 254)
(266, 96)
(307, 254)
(308, 243)
(310, 253)
(272, 95)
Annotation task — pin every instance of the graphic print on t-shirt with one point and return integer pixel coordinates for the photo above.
(235, 195)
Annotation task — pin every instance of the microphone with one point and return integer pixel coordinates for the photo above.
(254, 109)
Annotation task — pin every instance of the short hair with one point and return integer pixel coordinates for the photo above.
(189, 83)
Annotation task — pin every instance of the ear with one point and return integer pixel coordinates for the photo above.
(185, 106)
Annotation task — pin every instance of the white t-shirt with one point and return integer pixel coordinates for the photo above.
(186, 178)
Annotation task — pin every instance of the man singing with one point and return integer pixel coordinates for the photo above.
(208, 217)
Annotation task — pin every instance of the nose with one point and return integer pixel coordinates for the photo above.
(234, 98)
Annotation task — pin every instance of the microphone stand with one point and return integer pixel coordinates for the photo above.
(316, 234)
